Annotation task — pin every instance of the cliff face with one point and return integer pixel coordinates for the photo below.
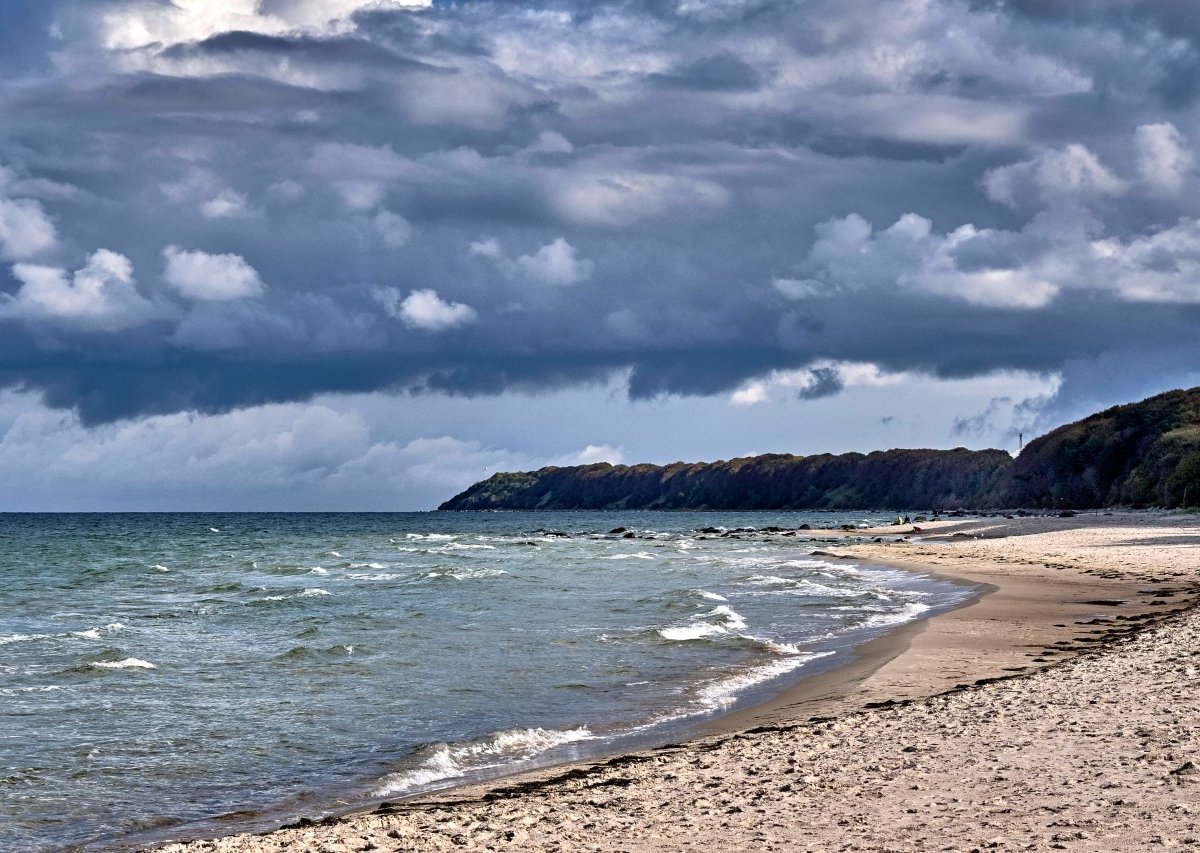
(1141, 454)
(912, 478)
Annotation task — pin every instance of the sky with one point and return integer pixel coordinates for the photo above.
(357, 254)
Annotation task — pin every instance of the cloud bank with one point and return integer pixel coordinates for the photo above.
(208, 207)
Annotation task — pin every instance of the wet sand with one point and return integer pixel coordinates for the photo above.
(1061, 710)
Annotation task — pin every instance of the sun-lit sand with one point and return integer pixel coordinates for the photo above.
(1060, 711)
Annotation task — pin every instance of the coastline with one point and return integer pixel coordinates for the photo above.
(1036, 613)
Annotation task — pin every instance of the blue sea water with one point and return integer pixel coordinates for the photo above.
(174, 675)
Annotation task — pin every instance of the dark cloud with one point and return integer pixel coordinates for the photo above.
(719, 73)
(826, 382)
(690, 194)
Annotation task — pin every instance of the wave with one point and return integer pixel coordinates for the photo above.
(86, 634)
(310, 652)
(128, 663)
(468, 574)
(17, 691)
(775, 646)
(159, 568)
(310, 592)
(504, 748)
(5, 639)
(699, 631)
(640, 555)
(699, 628)
(910, 611)
(94, 633)
(770, 580)
(723, 693)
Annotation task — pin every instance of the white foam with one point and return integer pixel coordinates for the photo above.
(451, 762)
(711, 596)
(128, 663)
(370, 576)
(310, 592)
(430, 537)
(5, 639)
(86, 634)
(160, 568)
(770, 580)
(367, 566)
(317, 570)
(733, 619)
(15, 691)
(467, 574)
(721, 694)
(335, 554)
(640, 555)
(699, 631)
(698, 628)
(910, 611)
(776, 647)
(214, 530)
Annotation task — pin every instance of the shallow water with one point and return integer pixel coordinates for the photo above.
(164, 675)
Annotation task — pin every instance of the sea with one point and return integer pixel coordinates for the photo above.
(182, 675)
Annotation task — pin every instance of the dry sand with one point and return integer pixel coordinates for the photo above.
(1060, 711)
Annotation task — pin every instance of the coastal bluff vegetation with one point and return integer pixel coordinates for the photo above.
(1137, 455)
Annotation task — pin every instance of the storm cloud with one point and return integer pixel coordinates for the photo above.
(205, 207)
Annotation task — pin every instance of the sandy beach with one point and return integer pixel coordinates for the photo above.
(1061, 710)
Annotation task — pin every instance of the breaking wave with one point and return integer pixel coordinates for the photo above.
(450, 761)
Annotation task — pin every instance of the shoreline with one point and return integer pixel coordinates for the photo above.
(1032, 613)
(853, 660)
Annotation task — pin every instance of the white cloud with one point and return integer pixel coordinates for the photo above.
(603, 193)
(1052, 176)
(549, 142)
(557, 263)
(592, 454)
(800, 288)
(394, 230)
(360, 195)
(1160, 267)
(199, 275)
(424, 309)
(101, 296)
(1007, 269)
(286, 190)
(224, 205)
(130, 25)
(25, 229)
(1163, 157)
(930, 118)
(360, 175)
(488, 247)
(850, 254)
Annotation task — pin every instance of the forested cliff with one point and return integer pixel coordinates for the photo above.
(1140, 454)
